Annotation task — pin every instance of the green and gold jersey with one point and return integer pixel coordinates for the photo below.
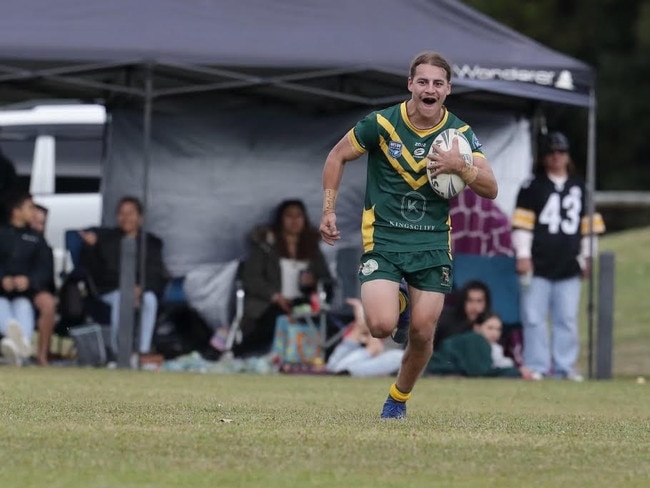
(401, 210)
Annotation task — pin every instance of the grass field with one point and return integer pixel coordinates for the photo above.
(68, 427)
(631, 355)
(73, 428)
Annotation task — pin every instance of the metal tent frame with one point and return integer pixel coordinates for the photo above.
(333, 88)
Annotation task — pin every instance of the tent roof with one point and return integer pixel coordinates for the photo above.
(355, 51)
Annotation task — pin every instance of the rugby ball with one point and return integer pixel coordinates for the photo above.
(449, 185)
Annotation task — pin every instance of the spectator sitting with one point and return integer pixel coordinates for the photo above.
(360, 354)
(44, 300)
(100, 256)
(283, 268)
(473, 298)
(472, 353)
(25, 270)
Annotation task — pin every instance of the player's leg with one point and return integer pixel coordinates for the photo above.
(426, 307)
(429, 277)
(535, 307)
(45, 303)
(565, 297)
(400, 333)
(381, 305)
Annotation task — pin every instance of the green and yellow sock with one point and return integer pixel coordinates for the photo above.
(397, 395)
(402, 301)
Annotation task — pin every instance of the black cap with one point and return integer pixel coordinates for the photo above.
(555, 141)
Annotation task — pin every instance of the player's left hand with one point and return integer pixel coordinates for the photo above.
(441, 161)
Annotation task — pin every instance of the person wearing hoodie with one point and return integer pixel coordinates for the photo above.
(283, 268)
(25, 271)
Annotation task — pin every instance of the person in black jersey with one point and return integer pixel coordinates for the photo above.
(551, 239)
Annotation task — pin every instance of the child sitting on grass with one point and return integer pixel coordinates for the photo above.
(471, 354)
(360, 354)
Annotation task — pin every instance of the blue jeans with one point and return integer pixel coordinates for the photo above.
(352, 357)
(148, 312)
(558, 301)
(19, 309)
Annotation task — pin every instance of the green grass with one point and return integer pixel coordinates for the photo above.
(67, 427)
(631, 355)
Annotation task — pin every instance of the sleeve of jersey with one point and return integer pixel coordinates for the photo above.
(596, 220)
(598, 224)
(364, 136)
(474, 143)
(524, 216)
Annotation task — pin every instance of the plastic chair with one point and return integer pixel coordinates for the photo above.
(499, 274)
(73, 245)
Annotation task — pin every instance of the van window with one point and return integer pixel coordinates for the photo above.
(78, 154)
(58, 153)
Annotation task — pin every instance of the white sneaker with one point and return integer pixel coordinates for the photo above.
(575, 377)
(10, 352)
(15, 333)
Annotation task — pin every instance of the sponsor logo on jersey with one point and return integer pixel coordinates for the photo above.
(395, 149)
(414, 206)
(419, 152)
(369, 267)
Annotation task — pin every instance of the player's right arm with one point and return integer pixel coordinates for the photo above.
(345, 150)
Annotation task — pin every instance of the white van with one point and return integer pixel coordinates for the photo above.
(58, 151)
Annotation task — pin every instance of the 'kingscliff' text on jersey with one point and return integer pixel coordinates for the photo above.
(399, 197)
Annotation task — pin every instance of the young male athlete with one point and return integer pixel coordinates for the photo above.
(405, 225)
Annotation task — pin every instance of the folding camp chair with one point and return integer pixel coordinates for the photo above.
(500, 275)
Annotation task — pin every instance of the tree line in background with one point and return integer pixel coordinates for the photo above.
(613, 36)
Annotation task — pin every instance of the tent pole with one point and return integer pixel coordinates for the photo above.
(146, 150)
(591, 210)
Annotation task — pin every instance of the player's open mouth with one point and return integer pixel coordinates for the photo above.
(429, 101)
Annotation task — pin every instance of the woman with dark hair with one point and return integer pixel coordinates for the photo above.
(472, 353)
(473, 299)
(284, 266)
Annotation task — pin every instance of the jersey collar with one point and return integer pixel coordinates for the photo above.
(423, 132)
